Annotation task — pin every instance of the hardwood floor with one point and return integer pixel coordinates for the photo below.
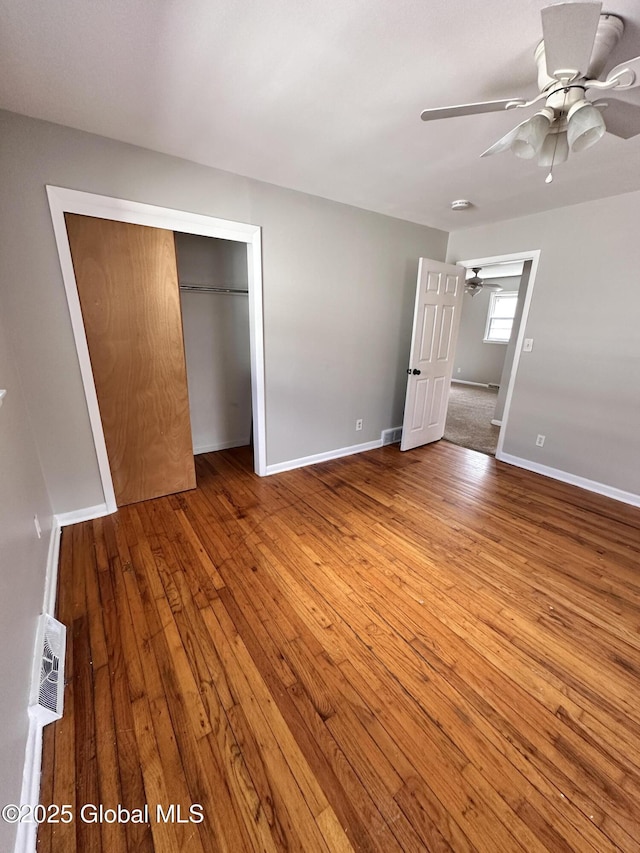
(388, 652)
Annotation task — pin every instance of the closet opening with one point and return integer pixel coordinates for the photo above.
(214, 290)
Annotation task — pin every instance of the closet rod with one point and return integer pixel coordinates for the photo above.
(206, 288)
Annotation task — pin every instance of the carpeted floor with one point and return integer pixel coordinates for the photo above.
(469, 418)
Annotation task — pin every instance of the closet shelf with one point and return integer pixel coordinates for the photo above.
(209, 288)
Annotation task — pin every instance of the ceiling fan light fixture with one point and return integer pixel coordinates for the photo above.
(586, 126)
(555, 149)
(531, 135)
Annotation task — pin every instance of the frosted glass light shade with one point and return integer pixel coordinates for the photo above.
(530, 136)
(586, 127)
(555, 149)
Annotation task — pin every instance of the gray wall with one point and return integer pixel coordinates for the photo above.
(339, 284)
(579, 386)
(22, 569)
(208, 260)
(475, 360)
(216, 341)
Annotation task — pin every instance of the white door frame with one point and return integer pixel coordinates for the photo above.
(61, 201)
(534, 257)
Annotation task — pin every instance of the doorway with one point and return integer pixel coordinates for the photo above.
(61, 201)
(486, 365)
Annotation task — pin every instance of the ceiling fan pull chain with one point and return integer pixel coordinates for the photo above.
(549, 177)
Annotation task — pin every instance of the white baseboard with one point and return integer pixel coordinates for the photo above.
(464, 382)
(496, 423)
(87, 513)
(220, 445)
(51, 575)
(303, 461)
(30, 795)
(573, 479)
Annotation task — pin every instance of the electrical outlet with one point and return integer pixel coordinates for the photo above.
(359, 424)
(540, 441)
(37, 526)
(459, 370)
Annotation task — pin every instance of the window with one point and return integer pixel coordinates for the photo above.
(502, 310)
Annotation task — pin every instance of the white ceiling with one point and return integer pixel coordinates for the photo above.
(323, 97)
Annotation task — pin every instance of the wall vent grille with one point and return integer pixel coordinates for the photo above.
(391, 436)
(47, 691)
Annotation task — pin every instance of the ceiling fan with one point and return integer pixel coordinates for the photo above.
(577, 40)
(475, 284)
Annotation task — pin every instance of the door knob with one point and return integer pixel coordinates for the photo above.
(416, 372)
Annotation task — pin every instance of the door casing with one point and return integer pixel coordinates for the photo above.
(63, 200)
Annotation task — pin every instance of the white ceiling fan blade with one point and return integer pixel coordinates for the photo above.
(469, 109)
(629, 73)
(569, 31)
(504, 142)
(620, 117)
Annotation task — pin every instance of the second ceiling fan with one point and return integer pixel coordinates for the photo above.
(475, 284)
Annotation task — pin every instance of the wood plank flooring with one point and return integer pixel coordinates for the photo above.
(429, 651)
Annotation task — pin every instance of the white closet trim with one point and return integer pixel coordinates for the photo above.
(62, 200)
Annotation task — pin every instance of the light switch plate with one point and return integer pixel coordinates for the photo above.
(527, 345)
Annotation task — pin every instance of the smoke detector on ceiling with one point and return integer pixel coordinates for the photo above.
(460, 204)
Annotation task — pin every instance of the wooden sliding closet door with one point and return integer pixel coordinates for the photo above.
(128, 287)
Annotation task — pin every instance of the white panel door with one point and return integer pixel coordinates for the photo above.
(435, 330)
